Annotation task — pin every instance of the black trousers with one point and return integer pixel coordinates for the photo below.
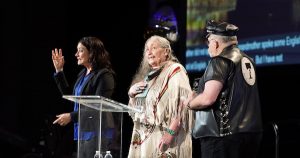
(240, 145)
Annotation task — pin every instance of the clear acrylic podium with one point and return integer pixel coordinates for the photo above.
(100, 121)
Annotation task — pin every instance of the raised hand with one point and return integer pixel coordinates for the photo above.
(58, 59)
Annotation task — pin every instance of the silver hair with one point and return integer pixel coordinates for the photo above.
(226, 39)
(144, 67)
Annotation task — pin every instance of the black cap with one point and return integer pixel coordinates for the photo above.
(221, 28)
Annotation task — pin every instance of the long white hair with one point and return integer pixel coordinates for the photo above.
(144, 67)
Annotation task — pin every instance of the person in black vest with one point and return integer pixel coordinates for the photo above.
(228, 115)
(96, 78)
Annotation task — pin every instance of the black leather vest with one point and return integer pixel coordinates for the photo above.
(237, 108)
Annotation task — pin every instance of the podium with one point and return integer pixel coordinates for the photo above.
(100, 123)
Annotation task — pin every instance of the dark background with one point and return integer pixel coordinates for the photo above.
(30, 99)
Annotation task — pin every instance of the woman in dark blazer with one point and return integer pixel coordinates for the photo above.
(96, 78)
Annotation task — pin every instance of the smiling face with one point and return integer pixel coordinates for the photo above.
(82, 55)
(155, 53)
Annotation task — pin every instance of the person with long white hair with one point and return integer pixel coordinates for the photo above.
(163, 128)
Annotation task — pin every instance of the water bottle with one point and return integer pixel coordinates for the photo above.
(98, 154)
(108, 155)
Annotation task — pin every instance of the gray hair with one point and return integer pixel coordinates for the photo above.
(144, 67)
(226, 39)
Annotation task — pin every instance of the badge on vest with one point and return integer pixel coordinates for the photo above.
(248, 71)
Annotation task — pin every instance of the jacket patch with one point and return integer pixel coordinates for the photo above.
(248, 71)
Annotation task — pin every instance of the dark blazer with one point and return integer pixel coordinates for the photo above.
(100, 82)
